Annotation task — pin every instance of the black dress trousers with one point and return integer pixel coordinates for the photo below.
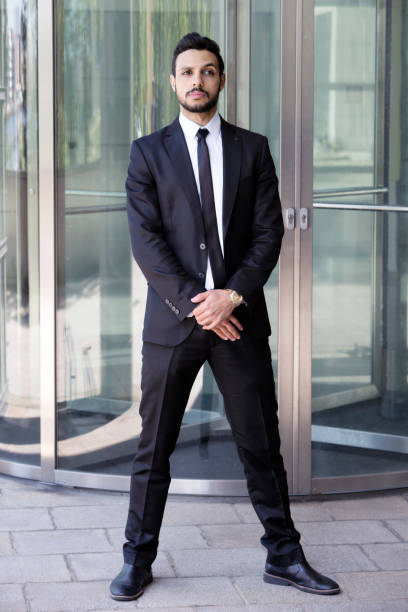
(243, 371)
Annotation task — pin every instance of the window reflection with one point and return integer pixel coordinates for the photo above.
(113, 65)
(360, 314)
(19, 295)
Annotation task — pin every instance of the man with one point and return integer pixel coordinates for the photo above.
(206, 228)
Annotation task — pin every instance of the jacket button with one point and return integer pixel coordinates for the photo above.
(201, 275)
(167, 301)
(177, 311)
(203, 246)
(173, 308)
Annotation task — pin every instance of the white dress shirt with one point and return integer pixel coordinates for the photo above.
(214, 144)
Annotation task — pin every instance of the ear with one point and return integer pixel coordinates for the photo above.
(173, 82)
(222, 81)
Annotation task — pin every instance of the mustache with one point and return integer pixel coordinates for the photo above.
(197, 89)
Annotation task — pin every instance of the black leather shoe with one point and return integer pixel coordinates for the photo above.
(302, 576)
(130, 582)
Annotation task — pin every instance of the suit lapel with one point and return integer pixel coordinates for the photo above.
(231, 151)
(177, 150)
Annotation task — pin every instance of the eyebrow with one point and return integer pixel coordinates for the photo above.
(205, 66)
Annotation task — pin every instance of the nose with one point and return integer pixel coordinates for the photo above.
(197, 80)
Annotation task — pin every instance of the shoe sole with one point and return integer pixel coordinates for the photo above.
(271, 579)
(130, 597)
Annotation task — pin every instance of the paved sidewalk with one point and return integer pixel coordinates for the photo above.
(60, 547)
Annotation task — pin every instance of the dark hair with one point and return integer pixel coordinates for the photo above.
(194, 40)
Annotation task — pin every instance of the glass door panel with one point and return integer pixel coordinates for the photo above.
(360, 246)
(125, 61)
(19, 270)
(264, 116)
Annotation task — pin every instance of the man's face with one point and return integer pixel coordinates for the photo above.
(197, 82)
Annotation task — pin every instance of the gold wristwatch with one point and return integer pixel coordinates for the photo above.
(235, 297)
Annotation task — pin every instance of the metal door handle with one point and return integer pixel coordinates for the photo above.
(290, 218)
(304, 218)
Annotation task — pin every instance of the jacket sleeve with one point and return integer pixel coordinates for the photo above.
(159, 264)
(267, 230)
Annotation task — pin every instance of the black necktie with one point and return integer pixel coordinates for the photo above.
(208, 210)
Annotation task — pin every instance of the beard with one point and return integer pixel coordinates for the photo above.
(199, 108)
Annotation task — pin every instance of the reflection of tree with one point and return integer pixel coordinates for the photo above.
(156, 32)
(82, 31)
(79, 35)
(14, 41)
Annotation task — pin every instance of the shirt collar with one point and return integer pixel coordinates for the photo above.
(190, 127)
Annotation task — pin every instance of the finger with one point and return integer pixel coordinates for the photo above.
(230, 329)
(203, 308)
(235, 321)
(211, 323)
(227, 330)
(200, 297)
(220, 334)
(205, 320)
(230, 334)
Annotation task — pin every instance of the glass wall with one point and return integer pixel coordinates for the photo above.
(113, 66)
(19, 271)
(360, 393)
(112, 60)
(265, 113)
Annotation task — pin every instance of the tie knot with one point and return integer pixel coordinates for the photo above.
(202, 133)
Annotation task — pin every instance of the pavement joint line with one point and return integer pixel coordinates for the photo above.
(13, 544)
(171, 561)
(391, 529)
(74, 577)
(106, 530)
(49, 509)
(238, 590)
(26, 598)
(367, 556)
(237, 514)
(206, 540)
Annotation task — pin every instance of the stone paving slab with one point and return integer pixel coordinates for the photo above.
(12, 482)
(386, 506)
(388, 556)
(254, 608)
(255, 591)
(192, 513)
(72, 596)
(339, 558)
(219, 562)
(25, 519)
(233, 536)
(346, 532)
(172, 537)
(134, 605)
(301, 511)
(5, 544)
(189, 592)
(331, 603)
(90, 516)
(105, 566)
(375, 586)
(61, 541)
(401, 527)
(12, 598)
(18, 569)
(21, 498)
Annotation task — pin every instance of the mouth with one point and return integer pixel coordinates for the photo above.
(197, 95)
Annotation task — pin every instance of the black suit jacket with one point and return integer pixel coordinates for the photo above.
(166, 227)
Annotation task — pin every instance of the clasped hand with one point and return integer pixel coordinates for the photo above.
(214, 313)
